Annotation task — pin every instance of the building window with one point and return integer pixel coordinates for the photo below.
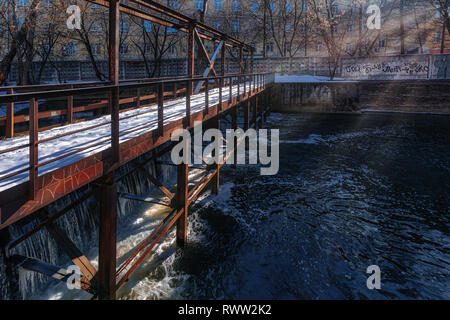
(218, 5)
(269, 47)
(123, 50)
(437, 37)
(20, 22)
(69, 49)
(319, 46)
(96, 49)
(381, 43)
(124, 26)
(335, 9)
(199, 4)
(146, 47)
(236, 26)
(287, 48)
(217, 25)
(272, 6)
(46, 28)
(349, 48)
(350, 28)
(305, 6)
(95, 27)
(236, 5)
(171, 49)
(147, 26)
(47, 50)
(288, 6)
(288, 26)
(173, 4)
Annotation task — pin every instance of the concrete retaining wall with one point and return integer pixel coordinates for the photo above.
(352, 97)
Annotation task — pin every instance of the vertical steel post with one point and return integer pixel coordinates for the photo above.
(182, 204)
(70, 107)
(33, 138)
(189, 88)
(247, 114)
(160, 108)
(255, 111)
(107, 238)
(207, 96)
(108, 189)
(234, 125)
(191, 55)
(114, 16)
(9, 133)
(252, 60)
(215, 182)
(138, 97)
(222, 58)
(231, 90)
(240, 74)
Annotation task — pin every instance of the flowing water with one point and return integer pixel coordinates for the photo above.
(352, 191)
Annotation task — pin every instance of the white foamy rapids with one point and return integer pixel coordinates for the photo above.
(135, 221)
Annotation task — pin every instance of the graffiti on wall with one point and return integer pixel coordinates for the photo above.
(386, 70)
(442, 67)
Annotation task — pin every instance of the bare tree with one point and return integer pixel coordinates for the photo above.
(153, 43)
(330, 18)
(21, 35)
(285, 20)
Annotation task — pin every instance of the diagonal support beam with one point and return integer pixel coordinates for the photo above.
(142, 199)
(210, 61)
(164, 190)
(77, 257)
(44, 268)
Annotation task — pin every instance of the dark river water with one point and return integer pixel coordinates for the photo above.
(352, 191)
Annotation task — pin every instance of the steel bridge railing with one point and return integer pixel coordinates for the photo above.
(154, 101)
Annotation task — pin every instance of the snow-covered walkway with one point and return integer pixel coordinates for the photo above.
(173, 110)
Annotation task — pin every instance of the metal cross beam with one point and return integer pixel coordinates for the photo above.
(210, 61)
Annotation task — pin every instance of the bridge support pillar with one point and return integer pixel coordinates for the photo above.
(182, 203)
(260, 109)
(107, 238)
(234, 126)
(255, 112)
(215, 182)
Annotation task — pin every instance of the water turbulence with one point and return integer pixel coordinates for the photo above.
(352, 191)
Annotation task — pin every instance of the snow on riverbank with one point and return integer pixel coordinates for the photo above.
(286, 78)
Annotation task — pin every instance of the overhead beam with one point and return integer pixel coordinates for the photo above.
(216, 35)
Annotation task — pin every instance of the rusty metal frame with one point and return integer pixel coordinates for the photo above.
(99, 169)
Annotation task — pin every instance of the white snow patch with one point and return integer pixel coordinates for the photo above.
(285, 78)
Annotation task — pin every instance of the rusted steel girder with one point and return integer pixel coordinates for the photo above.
(107, 196)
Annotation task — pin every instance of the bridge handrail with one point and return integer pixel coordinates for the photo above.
(258, 80)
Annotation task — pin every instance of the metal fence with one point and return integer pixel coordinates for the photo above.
(424, 66)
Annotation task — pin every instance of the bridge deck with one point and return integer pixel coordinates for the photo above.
(80, 165)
